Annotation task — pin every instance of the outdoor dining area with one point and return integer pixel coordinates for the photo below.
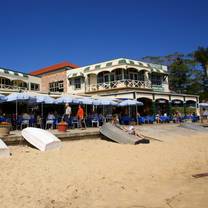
(20, 110)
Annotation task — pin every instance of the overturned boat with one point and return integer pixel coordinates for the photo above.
(41, 139)
(4, 150)
(116, 134)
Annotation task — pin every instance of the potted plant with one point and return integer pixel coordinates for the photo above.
(4, 128)
(62, 126)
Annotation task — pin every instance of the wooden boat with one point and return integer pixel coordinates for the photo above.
(116, 134)
(4, 150)
(41, 139)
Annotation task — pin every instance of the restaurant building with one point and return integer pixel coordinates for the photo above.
(130, 79)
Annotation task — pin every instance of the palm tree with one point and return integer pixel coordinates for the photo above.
(201, 56)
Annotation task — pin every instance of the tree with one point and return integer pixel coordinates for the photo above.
(179, 76)
(201, 56)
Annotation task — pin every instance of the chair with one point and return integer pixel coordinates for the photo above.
(95, 121)
(25, 123)
(75, 122)
(49, 123)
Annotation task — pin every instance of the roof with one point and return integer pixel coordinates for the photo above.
(54, 68)
(119, 63)
(12, 72)
(125, 62)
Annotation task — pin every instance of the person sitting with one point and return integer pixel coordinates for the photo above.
(25, 116)
(115, 120)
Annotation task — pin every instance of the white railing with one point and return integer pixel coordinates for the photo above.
(12, 87)
(125, 83)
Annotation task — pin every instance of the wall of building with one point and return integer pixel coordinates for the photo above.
(53, 77)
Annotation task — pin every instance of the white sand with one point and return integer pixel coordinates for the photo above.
(97, 173)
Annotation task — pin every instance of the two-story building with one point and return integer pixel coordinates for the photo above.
(126, 78)
(15, 81)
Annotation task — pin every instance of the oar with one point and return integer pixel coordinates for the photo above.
(148, 137)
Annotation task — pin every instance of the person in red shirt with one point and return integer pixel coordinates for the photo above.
(80, 116)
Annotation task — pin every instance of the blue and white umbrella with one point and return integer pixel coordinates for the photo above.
(64, 99)
(129, 103)
(45, 99)
(2, 98)
(203, 104)
(19, 96)
(96, 102)
(85, 101)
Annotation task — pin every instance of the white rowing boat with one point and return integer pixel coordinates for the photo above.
(4, 150)
(41, 139)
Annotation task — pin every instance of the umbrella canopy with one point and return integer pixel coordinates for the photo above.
(19, 96)
(129, 103)
(203, 104)
(96, 102)
(64, 99)
(2, 98)
(85, 101)
(45, 99)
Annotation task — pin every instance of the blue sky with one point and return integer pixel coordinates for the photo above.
(35, 33)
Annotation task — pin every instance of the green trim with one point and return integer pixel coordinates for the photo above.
(132, 62)
(97, 66)
(122, 61)
(109, 64)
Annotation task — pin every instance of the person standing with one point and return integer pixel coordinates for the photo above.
(67, 112)
(80, 116)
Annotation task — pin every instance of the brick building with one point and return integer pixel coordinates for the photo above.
(54, 78)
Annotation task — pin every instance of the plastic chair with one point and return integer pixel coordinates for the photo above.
(49, 123)
(24, 123)
(95, 121)
(75, 122)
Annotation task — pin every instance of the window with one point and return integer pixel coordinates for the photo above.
(122, 61)
(109, 64)
(131, 62)
(97, 66)
(156, 79)
(77, 83)
(34, 86)
(56, 86)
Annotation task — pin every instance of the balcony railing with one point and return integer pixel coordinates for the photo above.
(12, 87)
(125, 83)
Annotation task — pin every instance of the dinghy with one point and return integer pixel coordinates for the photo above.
(116, 134)
(41, 139)
(4, 150)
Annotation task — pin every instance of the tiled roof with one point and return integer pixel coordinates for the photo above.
(54, 68)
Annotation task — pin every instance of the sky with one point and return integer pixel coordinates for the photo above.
(38, 33)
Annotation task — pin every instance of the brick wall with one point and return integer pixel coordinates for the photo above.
(53, 77)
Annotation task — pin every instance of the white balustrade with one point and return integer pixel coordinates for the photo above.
(125, 83)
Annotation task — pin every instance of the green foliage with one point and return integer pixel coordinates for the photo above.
(185, 73)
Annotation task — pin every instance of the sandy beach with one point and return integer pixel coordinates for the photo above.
(99, 173)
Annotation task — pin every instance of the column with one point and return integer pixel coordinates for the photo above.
(184, 107)
(170, 108)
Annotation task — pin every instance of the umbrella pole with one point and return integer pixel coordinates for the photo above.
(42, 110)
(136, 115)
(16, 114)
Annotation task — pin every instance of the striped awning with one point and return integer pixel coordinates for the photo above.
(10, 72)
(75, 74)
(159, 71)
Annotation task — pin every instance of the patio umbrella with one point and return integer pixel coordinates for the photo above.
(44, 99)
(19, 96)
(130, 103)
(64, 99)
(203, 104)
(2, 98)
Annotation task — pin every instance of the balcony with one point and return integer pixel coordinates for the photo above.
(125, 83)
(12, 88)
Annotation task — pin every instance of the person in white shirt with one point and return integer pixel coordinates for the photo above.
(67, 112)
